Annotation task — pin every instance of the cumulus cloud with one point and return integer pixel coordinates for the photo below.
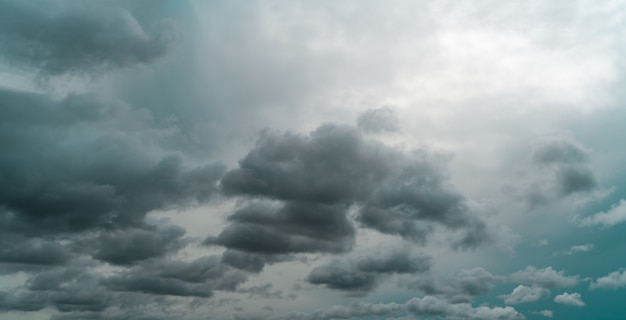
(80, 39)
(463, 286)
(615, 215)
(20, 250)
(198, 278)
(128, 246)
(309, 182)
(547, 278)
(613, 280)
(572, 299)
(66, 289)
(425, 306)
(558, 168)
(359, 276)
(524, 294)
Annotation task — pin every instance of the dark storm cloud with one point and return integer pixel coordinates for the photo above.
(334, 164)
(311, 181)
(78, 164)
(19, 250)
(262, 291)
(251, 262)
(293, 227)
(243, 260)
(198, 278)
(79, 175)
(66, 289)
(78, 291)
(341, 276)
(377, 120)
(359, 276)
(82, 38)
(122, 247)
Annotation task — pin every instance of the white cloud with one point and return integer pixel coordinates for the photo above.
(430, 305)
(524, 294)
(545, 313)
(615, 215)
(572, 299)
(544, 278)
(613, 280)
(576, 249)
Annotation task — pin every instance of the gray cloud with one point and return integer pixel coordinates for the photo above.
(244, 261)
(559, 168)
(559, 149)
(524, 294)
(262, 291)
(128, 246)
(461, 287)
(377, 120)
(66, 289)
(314, 179)
(79, 171)
(342, 276)
(428, 306)
(547, 278)
(198, 278)
(294, 227)
(19, 250)
(56, 40)
(360, 275)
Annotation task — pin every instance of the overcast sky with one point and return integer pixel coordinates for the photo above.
(312, 160)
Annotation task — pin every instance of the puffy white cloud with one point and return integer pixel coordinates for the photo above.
(613, 280)
(573, 299)
(615, 215)
(524, 294)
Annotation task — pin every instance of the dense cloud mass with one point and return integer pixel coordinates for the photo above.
(316, 179)
(196, 278)
(76, 164)
(359, 276)
(305, 160)
(56, 40)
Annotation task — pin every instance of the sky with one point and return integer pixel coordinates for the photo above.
(312, 160)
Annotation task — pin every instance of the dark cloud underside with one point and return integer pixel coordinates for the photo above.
(309, 183)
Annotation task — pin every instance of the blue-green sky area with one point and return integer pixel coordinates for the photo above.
(312, 160)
